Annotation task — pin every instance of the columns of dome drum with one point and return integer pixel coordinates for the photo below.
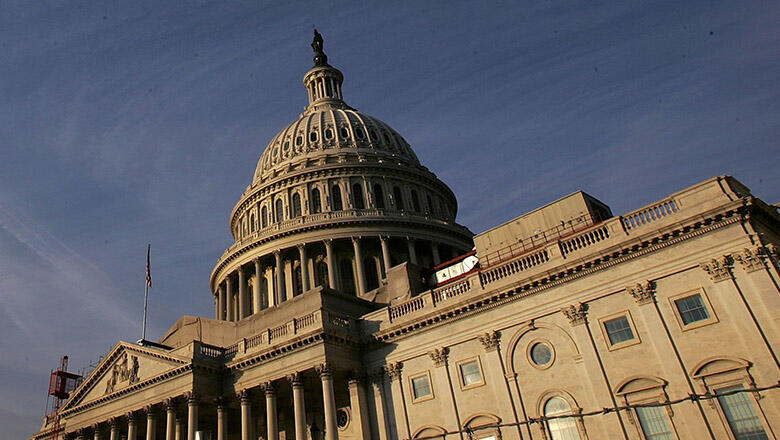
(361, 279)
(304, 267)
(435, 252)
(241, 293)
(192, 416)
(246, 415)
(170, 419)
(278, 286)
(229, 289)
(299, 405)
(221, 422)
(412, 253)
(270, 412)
(331, 264)
(385, 252)
(329, 402)
(221, 293)
(256, 286)
(216, 305)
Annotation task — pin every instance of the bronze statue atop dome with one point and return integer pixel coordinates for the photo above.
(320, 59)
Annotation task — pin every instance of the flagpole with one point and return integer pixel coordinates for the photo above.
(147, 283)
(146, 296)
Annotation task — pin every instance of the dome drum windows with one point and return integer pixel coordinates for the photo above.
(379, 196)
(296, 206)
(316, 201)
(335, 197)
(398, 198)
(357, 196)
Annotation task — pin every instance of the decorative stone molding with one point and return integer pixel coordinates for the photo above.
(324, 370)
(114, 422)
(393, 370)
(243, 396)
(439, 356)
(643, 293)
(269, 388)
(752, 259)
(490, 341)
(718, 269)
(295, 379)
(150, 411)
(192, 397)
(577, 314)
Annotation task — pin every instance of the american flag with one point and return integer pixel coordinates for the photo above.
(148, 266)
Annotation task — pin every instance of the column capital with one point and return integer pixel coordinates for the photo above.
(149, 410)
(752, 259)
(170, 404)
(324, 370)
(301, 246)
(439, 356)
(295, 379)
(130, 415)
(220, 402)
(718, 268)
(243, 396)
(577, 313)
(114, 422)
(356, 238)
(269, 389)
(384, 237)
(193, 398)
(328, 241)
(490, 341)
(277, 253)
(643, 293)
(393, 370)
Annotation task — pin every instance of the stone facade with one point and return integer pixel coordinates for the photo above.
(660, 323)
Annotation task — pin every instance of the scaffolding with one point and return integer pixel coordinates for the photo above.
(61, 384)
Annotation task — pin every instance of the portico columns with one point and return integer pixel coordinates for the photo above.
(96, 432)
(179, 428)
(385, 252)
(329, 402)
(256, 286)
(412, 253)
(361, 278)
(192, 415)
(435, 252)
(278, 285)
(170, 414)
(241, 294)
(130, 426)
(270, 412)
(114, 424)
(151, 423)
(221, 422)
(246, 415)
(304, 267)
(331, 264)
(229, 289)
(221, 293)
(299, 406)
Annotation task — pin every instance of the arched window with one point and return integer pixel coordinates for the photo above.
(371, 271)
(399, 198)
(322, 274)
(379, 196)
(562, 428)
(297, 281)
(279, 208)
(296, 202)
(264, 217)
(316, 202)
(415, 201)
(252, 224)
(357, 195)
(335, 194)
(263, 293)
(430, 205)
(347, 276)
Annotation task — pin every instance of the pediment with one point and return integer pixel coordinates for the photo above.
(125, 365)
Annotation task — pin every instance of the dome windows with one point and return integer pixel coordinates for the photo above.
(359, 133)
(296, 205)
(313, 136)
(335, 194)
(286, 145)
(299, 140)
(372, 132)
(344, 132)
(316, 203)
(357, 195)
(379, 196)
(328, 133)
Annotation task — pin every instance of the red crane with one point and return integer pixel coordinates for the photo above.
(61, 384)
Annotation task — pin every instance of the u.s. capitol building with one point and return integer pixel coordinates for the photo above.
(352, 305)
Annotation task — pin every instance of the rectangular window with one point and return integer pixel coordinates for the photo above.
(470, 373)
(692, 309)
(421, 387)
(618, 330)
(654, 423)
(740, 414)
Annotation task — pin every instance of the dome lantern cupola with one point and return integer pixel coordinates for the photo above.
(323, 82)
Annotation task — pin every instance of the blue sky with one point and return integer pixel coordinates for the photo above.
(127, 123)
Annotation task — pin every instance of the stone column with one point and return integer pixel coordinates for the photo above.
(131, 426)
(360, 276)
(216, 305)
(151, 423)
(221, 419)
(96, 432)
(221, 302)
(192, 415)
(359, 405)
(170, 418)
(179, 428)
(229, 299)
(328, 402)
(304, 267)
(256, 303)
(114, 424)
(246, 415)
(377, 383)
(435, 252)
(270, 412)
(331, 264)
(279, 287)
(385, 252)
(242, 309)
(299, 405)
(393, 370)
(412, 253)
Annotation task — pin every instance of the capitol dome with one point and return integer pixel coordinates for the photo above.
(338, 198)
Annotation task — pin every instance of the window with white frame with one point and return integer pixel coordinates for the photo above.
(654, 423)
(559, 425)
(619, 330)
(421, 387)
